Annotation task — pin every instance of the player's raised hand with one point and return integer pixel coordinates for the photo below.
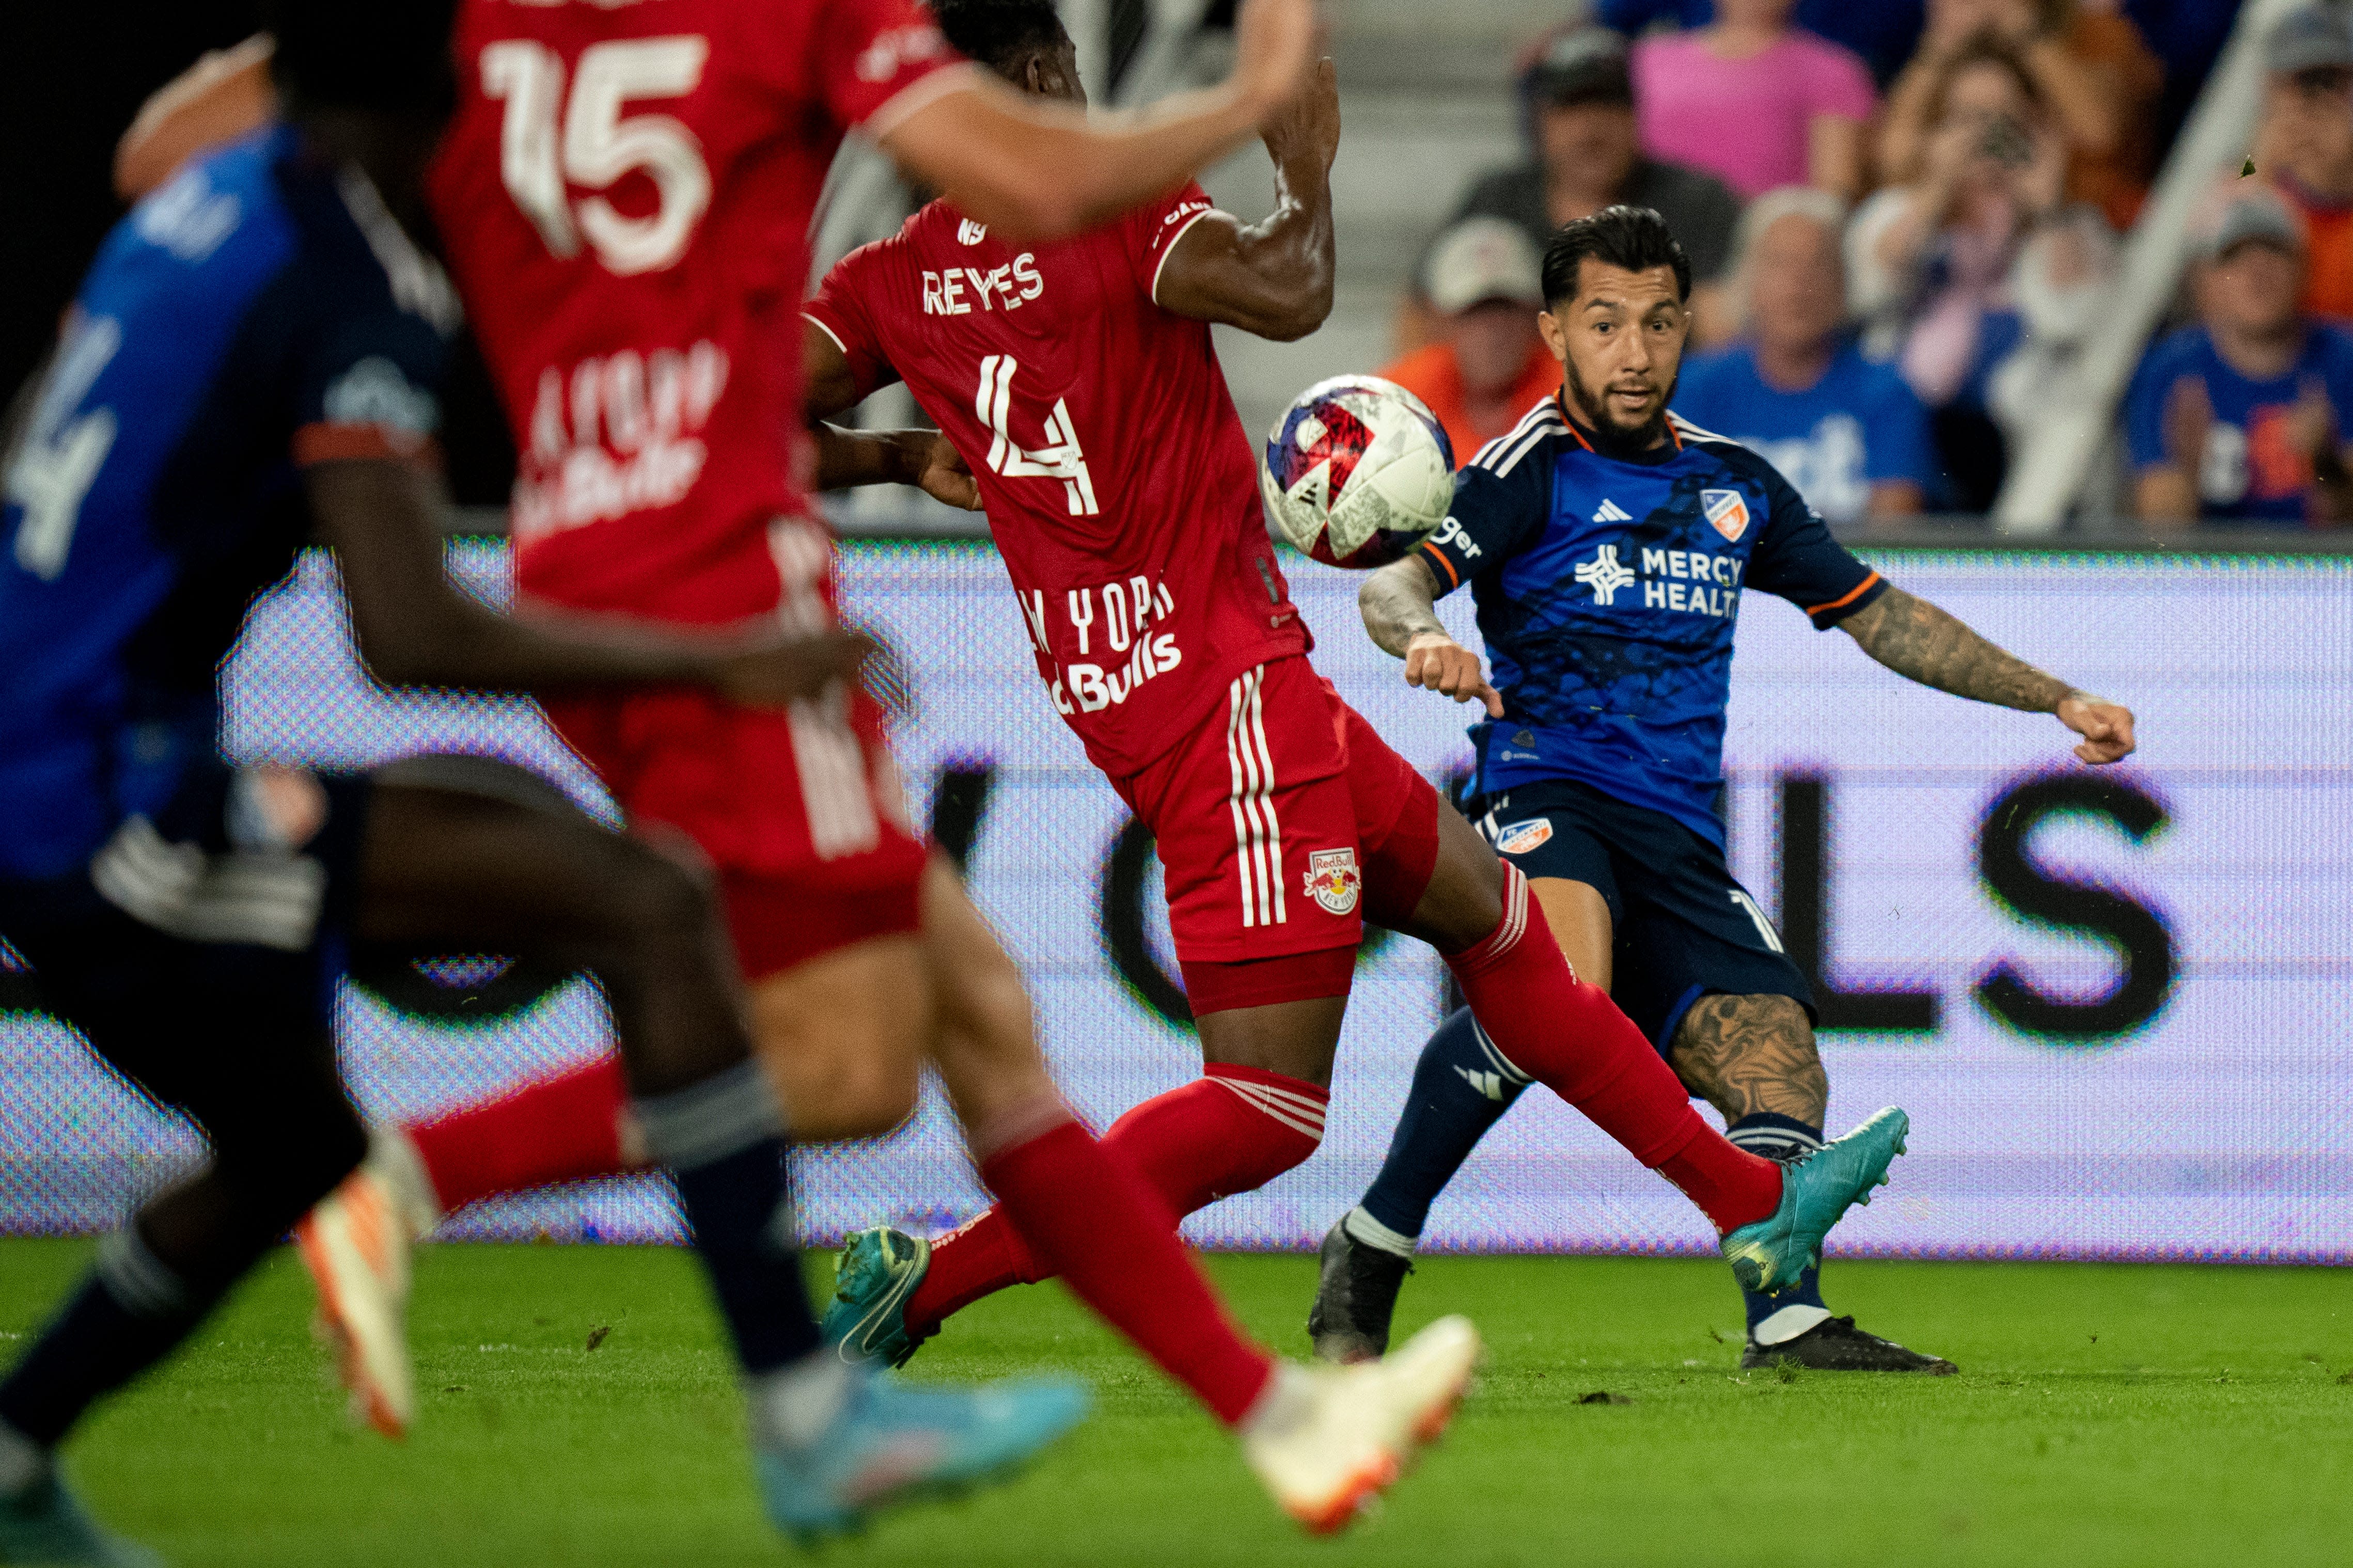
(1274, 43)
(2106, 727)
(1308, 127)
(777, 670)
(1439, 664)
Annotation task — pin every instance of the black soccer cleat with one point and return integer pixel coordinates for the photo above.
(1835, 1344)
(1354, 1298)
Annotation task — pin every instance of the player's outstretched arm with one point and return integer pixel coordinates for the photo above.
(1399, 603)
(1273, 278)
(415, 627)
(923, 459)
(1037, 170)
(1917, 640)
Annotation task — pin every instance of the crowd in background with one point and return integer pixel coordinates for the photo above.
(1903, 219)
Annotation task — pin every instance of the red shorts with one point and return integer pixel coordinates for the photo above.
(799, 811)
(1283, 825)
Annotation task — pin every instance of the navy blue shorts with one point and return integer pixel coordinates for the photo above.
(1684, 927)
(199, 959)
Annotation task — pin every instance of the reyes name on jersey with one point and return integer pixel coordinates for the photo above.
(1118, 483)
(1608, 589)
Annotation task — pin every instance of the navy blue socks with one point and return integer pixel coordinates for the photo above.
(1462, 1086)
(131, 1310)
(1786, 1313)
(723, 1142)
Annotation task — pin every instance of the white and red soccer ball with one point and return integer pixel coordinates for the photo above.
(1357, 471)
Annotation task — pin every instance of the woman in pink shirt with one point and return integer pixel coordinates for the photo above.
(1755, 102)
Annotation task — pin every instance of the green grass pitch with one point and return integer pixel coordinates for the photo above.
(2124, 1415)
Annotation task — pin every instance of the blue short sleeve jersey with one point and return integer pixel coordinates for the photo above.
(260, 312)
(2251, 472)
(1607, 592)
(1857, 426)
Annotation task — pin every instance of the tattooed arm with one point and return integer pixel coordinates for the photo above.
(1400, 605)
(1917, 640)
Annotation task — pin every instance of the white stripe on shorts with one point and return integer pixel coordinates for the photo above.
(1257, 834)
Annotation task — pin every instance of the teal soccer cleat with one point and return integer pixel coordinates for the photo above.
(892, 1444)
(44, 1524)
(879, 1269)
(1770, 1252)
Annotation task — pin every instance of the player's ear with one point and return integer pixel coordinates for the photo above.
(1555, 336)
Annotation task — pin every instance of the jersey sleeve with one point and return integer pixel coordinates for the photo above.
(1152, 233)
(368, 371)
(2145, 410)
(881, 61)
(1495, 515)
(1900, 446)
(1799, 561)
(845, 310)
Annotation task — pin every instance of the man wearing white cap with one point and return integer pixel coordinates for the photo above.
(1489, 364)
(2237, 417)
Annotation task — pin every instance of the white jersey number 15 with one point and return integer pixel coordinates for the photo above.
(593, 146)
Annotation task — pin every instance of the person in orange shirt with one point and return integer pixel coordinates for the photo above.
(1489, 364)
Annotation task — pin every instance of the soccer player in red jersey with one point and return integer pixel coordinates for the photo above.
(1078, 380)
(624, 194)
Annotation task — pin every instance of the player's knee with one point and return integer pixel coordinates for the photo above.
(663, 891)
(860, 1088)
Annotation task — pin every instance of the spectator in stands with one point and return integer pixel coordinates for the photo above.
(2304, 145)
(1489, 364)
(1577, 97)
(2187, 37)
(1975, 276)
(2236, 418)
(2094, 72)
(1848, 433)
(1757, 102)
(1883, 31)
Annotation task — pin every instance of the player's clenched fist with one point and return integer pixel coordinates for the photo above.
(2106, 727)
(1442, 665)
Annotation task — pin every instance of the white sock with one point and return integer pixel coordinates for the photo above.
(796, 1405)
(23, 1462)
(1286, 1400)
(1363, 1227)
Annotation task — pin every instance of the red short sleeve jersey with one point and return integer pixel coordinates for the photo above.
(625, 195)
(1118, 483)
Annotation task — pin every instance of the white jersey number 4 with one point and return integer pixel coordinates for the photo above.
(1059, 459)
(595, 146)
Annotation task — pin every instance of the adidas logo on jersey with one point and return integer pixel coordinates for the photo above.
(1612, 512)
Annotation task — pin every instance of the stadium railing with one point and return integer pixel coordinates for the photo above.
(2048, 478)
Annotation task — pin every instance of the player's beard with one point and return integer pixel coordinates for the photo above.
(1612, 440)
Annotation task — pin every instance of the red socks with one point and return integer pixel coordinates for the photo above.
(1570, 1037)
(1233, 1130)
(1087, 1216)
(560, 1129)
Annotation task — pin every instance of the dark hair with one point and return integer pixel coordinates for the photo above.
(1984, 49)
(1634, 238)
(388, 56)
(1000, 33)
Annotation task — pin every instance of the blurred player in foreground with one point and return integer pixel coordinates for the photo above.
(1608, 541)
(625, 195)
(253, 357)
(1078, 380)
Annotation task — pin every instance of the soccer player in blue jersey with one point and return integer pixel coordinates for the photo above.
(251, 359)
(1607, 542)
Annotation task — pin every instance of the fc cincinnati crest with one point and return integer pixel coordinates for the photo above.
(1726, 511)
(1522, 837)
(1333, 880)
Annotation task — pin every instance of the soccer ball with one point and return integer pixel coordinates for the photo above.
(1357, 471)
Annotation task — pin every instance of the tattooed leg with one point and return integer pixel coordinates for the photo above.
(1749, 1054)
